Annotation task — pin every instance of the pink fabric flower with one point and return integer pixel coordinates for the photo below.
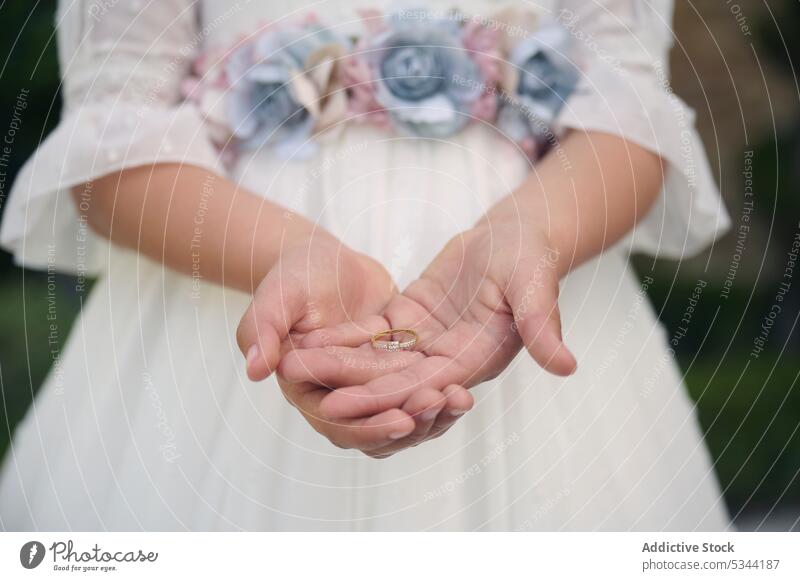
(363, 105)
(484, 46)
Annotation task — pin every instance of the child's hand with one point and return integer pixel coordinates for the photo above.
(316, 283)
(488, 293)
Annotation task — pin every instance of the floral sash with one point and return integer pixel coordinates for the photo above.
(413, 71)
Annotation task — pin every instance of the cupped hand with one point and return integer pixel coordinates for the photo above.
(317, 283)
(491, 291)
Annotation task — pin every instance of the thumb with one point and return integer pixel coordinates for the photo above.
(533, 297)
(280, 301)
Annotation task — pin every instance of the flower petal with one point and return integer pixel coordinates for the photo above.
(240, 113)
(305, 93)
(436, 117)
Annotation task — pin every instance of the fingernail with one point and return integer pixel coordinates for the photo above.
(398, 435)
(457, 412)
(574, 361)
(429, 415)
(252, 355)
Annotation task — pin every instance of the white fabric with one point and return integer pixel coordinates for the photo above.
(147, 420)
(122, 68)
(625, 91)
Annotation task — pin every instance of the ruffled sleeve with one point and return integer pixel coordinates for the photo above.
(122, 65)
(624, 91)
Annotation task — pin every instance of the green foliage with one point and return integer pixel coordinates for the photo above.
(750, 411)
(36, 314)
(748, 407)
(29, 61)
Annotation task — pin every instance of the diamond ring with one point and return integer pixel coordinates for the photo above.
(392, 344)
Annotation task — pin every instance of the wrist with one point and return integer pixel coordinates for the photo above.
(528, 220)
(295, 231)
(277, 237)
(321, 248)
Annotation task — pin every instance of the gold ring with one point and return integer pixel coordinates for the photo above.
(394, 345)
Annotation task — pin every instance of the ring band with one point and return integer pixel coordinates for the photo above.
(394, 345)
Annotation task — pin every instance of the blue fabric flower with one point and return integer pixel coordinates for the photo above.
(425, 79)
(263, 104)
(547, 76)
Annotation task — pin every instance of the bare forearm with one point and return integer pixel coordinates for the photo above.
(193, 221)
(587, 196)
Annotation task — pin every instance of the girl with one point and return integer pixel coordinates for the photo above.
(310, 166)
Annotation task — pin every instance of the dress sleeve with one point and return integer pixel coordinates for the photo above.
(624, 45)
(122, 65)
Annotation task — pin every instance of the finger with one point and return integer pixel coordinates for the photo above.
(370, 433)
(424, 406)
(401, 312)
(279, 303)
(392, 390)
(538, 321)
(364, 434)
(304, 396)
(542, 338)
(349, 334)
(336, 367)
(458, 402)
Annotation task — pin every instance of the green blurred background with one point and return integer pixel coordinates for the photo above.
(736, 66)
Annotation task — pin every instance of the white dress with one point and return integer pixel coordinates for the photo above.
(147, 420)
